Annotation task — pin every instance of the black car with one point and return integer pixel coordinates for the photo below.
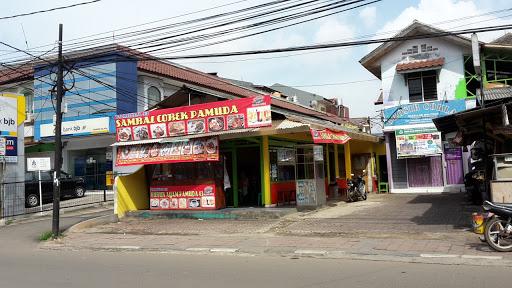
(70, 187)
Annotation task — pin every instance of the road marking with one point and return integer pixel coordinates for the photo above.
(482, 257)
(224, 250)
(123, 247)
(311, 252)
(197, 249)
(439, 256)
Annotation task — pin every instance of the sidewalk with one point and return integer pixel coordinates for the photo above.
(424, 229)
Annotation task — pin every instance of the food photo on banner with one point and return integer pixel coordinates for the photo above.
(195, 119)
(418, 142)
(199, 149)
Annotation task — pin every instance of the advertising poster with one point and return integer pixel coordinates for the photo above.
(195, 119)
(418, 142)
(194, 150)
(190, 197)
(306, 192)
(8, 115)
(329, 136)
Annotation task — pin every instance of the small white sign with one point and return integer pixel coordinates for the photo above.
(39, 164)
(78, 127)
(2, 146)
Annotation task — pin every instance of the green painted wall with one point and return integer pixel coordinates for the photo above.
(460, 90)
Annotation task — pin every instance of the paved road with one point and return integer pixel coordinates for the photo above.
(23, 265)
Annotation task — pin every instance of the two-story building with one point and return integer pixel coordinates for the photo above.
(422, 79)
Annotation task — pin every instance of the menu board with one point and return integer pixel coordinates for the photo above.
(190, 197)
(200, 149)
(194, 119)
(418, 142)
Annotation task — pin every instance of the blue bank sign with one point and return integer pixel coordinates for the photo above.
(421, 113)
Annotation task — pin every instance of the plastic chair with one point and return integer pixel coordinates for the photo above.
(383, 187)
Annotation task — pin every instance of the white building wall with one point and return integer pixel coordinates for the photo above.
(395, 91)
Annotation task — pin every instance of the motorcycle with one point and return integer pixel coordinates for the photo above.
(356, 188)
(498, 227)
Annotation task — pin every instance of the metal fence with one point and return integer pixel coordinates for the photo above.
(17, 198)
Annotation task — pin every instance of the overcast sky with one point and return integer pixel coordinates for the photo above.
(335, 73)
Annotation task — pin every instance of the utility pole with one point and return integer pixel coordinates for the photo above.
(475, 47)
(58, 140)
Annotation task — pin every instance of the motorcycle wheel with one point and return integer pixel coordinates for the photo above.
(350, 193)
(365, 195)
(496, 236)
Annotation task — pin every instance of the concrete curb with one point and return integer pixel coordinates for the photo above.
(470, 260)
(101, 220)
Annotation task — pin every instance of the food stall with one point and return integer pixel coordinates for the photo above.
(180, 148)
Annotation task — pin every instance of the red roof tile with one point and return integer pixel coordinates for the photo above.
(16, 74)
(193, 76)
(420, 64)
(216, 83)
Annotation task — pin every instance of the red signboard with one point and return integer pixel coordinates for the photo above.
(190, 197)
(200, 149)
(329, 136)
(194, 119)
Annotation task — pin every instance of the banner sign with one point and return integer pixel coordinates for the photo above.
(8, 114)
(190, 197)
(9, 149)
(418, 142)
(195, 119)
(194, 150)
(78, 127)
(329, 136)
(421, 113)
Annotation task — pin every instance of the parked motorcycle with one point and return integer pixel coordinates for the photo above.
(356, 188)
(498, 227)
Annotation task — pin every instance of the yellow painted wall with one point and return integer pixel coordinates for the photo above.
(132, 193)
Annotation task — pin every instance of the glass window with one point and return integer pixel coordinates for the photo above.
(29, 100)
(154, 96)
(422, 86)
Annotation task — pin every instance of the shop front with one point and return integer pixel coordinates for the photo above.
(419, 158)
(229, 153)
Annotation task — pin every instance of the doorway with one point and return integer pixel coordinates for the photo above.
(249, 176)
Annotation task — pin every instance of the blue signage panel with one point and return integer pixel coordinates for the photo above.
(421, 113)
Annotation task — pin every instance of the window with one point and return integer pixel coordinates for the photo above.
(29, 100)
(422, 86)
(499, 70)
(154, 96)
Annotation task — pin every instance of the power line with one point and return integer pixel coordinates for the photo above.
(48, 10)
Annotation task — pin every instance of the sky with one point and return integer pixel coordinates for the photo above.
(335, 73)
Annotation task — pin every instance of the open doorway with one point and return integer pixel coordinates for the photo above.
(249, 176)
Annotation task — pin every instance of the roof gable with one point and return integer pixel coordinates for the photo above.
(372, 60)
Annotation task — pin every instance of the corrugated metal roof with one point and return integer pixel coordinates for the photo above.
(497, 93)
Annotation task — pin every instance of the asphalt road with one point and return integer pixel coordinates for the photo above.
(22, 264)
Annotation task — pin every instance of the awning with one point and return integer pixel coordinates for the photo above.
(419, 65)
